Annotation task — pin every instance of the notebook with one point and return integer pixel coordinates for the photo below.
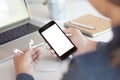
(100, 25)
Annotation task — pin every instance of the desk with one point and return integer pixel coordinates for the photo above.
(40, 13)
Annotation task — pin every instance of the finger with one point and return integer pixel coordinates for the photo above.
(36, 58)
(36, 50)
(53, 53)
(36, 61)
(48, 47)
(27, 53)
(66, 30)
(37, 55)
(71, 30)
(17, 54)
(24, 50)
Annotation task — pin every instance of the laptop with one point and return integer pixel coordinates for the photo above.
(16, 27)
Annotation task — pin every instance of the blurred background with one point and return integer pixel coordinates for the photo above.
(38, 1)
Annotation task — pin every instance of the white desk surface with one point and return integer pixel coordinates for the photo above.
(73, 10)
(40, 13)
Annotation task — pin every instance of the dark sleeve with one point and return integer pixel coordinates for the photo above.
(69, 75)
(100, 44)
(79, 66)
(24, 76)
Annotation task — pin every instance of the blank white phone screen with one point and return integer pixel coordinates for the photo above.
(58, 41)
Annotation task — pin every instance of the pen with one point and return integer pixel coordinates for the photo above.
(82, 25)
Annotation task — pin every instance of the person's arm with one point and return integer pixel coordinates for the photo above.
(77, 65)
(73, 71)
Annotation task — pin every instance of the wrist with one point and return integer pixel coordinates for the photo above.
(91, 45)
(24, 69)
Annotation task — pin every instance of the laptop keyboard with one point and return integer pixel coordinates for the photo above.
(17, 33)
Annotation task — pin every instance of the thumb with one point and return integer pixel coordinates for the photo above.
(17, 54)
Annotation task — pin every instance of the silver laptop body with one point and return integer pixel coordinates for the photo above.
(6, 50)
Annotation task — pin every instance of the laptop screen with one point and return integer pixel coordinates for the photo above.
(12, 11)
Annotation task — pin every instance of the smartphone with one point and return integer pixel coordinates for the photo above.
(57, 40)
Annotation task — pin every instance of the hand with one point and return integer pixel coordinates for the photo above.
(24, 63)
(83, 44)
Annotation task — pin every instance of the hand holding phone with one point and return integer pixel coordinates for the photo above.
(57, 40)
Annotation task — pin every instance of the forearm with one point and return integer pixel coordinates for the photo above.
(24, 76)
(94, 45)
(78, 64)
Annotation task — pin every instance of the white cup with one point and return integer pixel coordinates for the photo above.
(56, 9)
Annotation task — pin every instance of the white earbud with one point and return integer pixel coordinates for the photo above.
(31, 43)
(17, 50)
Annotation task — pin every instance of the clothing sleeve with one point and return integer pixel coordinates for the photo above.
(78, 68)
(24, 76)
(72, 73)
(100, 44)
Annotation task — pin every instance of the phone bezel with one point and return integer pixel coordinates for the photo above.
(69, 52)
